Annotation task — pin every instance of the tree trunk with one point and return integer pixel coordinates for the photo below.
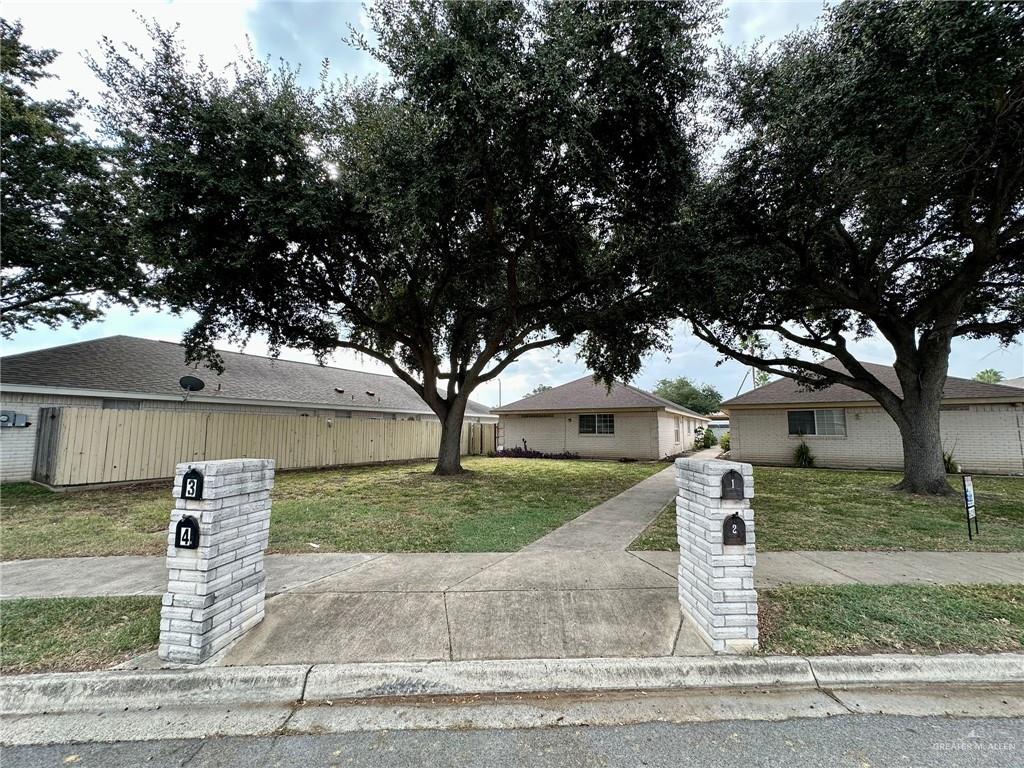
(924, 470)
(449, 452)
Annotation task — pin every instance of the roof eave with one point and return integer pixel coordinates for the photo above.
(34, 389)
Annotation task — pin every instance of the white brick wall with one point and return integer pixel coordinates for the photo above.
(18, 444)
(215, 593)
(636, 435)
(983, 438)
(716, 582)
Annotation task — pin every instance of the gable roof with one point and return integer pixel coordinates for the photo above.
(1018, 382)
(786, 391)
(585, 393)
(130, 365)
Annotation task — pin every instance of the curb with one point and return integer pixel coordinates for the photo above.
(291, 684)
(151, 689)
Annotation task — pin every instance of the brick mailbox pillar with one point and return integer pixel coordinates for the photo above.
(715, 529)
(215, 579)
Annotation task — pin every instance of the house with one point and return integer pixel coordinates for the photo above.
(1018, 382)
(982, 424)
(129, 373)
(586, 418)
(719, 423)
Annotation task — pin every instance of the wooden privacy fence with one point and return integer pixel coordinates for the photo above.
(77, 446)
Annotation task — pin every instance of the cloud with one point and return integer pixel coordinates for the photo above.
(306, 33)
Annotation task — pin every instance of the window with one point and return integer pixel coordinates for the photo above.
(827, 422)
(597, 424)
(676, 439)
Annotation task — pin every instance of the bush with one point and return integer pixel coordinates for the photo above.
(724, 441)
(952, 465)
(802, 456)
(525, 453)
(704, 438)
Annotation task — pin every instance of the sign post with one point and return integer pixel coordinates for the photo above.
(972, 512)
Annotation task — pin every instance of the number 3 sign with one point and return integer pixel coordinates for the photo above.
(192, 485)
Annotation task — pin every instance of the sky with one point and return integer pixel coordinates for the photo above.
(306, 33)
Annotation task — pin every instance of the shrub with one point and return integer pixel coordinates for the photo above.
(525, 453)
(952, 465)
(724, 441)
(802, 456)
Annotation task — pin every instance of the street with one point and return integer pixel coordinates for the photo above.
(859, 741)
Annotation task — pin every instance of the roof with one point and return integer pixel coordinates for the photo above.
(585, 393)
(126, 364)
(1018, 382)
(786, 391)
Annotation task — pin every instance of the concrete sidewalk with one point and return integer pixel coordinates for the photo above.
(441, 607)
(401, 572)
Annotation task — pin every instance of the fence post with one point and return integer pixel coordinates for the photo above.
(216, 583)
(715, 528)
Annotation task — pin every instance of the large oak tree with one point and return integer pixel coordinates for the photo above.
(875, 186)
(510, 187)
(64, 251)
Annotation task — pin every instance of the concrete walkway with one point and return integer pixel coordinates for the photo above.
(613, 524)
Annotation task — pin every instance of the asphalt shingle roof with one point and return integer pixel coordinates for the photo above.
(133, 365)
(787, 391)
(585, 393)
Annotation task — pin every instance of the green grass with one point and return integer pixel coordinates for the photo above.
(829, 510)
(856, 619)
(74, 634)
(499, 506)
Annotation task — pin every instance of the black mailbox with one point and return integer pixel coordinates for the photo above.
(192, 484)
(734, 530)
(186, 533)
(732, 485)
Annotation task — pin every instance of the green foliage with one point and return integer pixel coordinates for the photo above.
(537, 390)
(876, 185)
(73, 634)
(703, 438)
(65, 255)
(500, 505)
(949, 462)
(802, 456)
(989, 375)
(423, 221)
(858, 618)
(844, 506)
(724, 441)
(702, 399)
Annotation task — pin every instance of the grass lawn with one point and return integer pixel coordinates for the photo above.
(500, 506)
(854, 618)
(73, 634)
(830, 510)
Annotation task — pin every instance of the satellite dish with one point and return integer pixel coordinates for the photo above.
(191, 383)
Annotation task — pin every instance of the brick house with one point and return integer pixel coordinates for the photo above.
(586, 418)
(982, 424)
(129, 373)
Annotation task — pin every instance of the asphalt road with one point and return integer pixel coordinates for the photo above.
(860, 741)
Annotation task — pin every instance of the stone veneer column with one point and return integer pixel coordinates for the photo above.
(215, 593)
(716, 582)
